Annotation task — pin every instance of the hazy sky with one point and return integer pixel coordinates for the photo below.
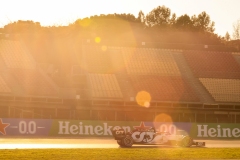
(62, 12)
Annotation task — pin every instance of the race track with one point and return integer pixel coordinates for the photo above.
(44, 143)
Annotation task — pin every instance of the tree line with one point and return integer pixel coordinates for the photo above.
(160, 25)
(159, 17)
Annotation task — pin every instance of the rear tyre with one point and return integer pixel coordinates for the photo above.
(127, 141)
(187, 141)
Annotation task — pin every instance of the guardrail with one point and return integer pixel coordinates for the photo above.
(18, 101)
(147, 44)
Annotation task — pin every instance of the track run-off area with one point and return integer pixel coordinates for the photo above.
(69, 143)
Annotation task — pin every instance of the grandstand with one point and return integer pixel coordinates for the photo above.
(187, 85)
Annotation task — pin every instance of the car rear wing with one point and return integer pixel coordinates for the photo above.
(118, 134)
(199, 144)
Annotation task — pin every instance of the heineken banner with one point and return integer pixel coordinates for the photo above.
(215, 131)
(103, 128)
(25, 127)
(79, 128)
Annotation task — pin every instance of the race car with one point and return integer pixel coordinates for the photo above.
(151, 136)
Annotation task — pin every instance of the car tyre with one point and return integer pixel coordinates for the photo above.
(187, 141)
(127, 141)
(120, 143)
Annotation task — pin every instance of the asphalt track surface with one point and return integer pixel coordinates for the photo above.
(67, 143)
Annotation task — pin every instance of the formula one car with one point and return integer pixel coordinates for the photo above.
(150, 136)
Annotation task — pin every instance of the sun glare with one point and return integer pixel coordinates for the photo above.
(143, 98)
(85, 22)
(163, 117)
(104, 48)
(97, 39)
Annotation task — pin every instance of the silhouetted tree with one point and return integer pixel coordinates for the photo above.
(184, 22)
(128, 17)
(227, 37)
(22, 26)
(172, 20)
(158, 16)
(141, 17)
(236, 30)
(203, 22)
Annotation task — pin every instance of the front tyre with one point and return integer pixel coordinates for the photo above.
(127, 141)
(186, 141)
(120, 143)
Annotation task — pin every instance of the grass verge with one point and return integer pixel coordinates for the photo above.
(121, 154)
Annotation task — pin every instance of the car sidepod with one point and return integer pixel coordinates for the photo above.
(118, 134)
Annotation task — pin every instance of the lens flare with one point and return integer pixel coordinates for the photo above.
(104, 48)
(164, 123)
(97, 39)
(143, 98)
(163, 117)
(85, 22)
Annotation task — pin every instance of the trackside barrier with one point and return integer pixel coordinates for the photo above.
(78, 128)
(215, 131)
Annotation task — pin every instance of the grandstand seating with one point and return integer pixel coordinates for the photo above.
(4, 112)
(223, 118)
(63, 113)
(33, 82)
(120, 116)
(238, 119)
(187, 117)
(83, 114)
(3, 86)
(15, 56)
(96, 60)
(103, 115)
(116, 59)
(200, 118)
(27, 114)
(77, 70)
(236, 53)
(166, 88)
(212, 64)
(143, 61)
(166, 117)
(104, 86)
(20, 64)
(218, 118)
(108, 74)
(211, 118)
(222, 90)
(138, 116)
(47, 112)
